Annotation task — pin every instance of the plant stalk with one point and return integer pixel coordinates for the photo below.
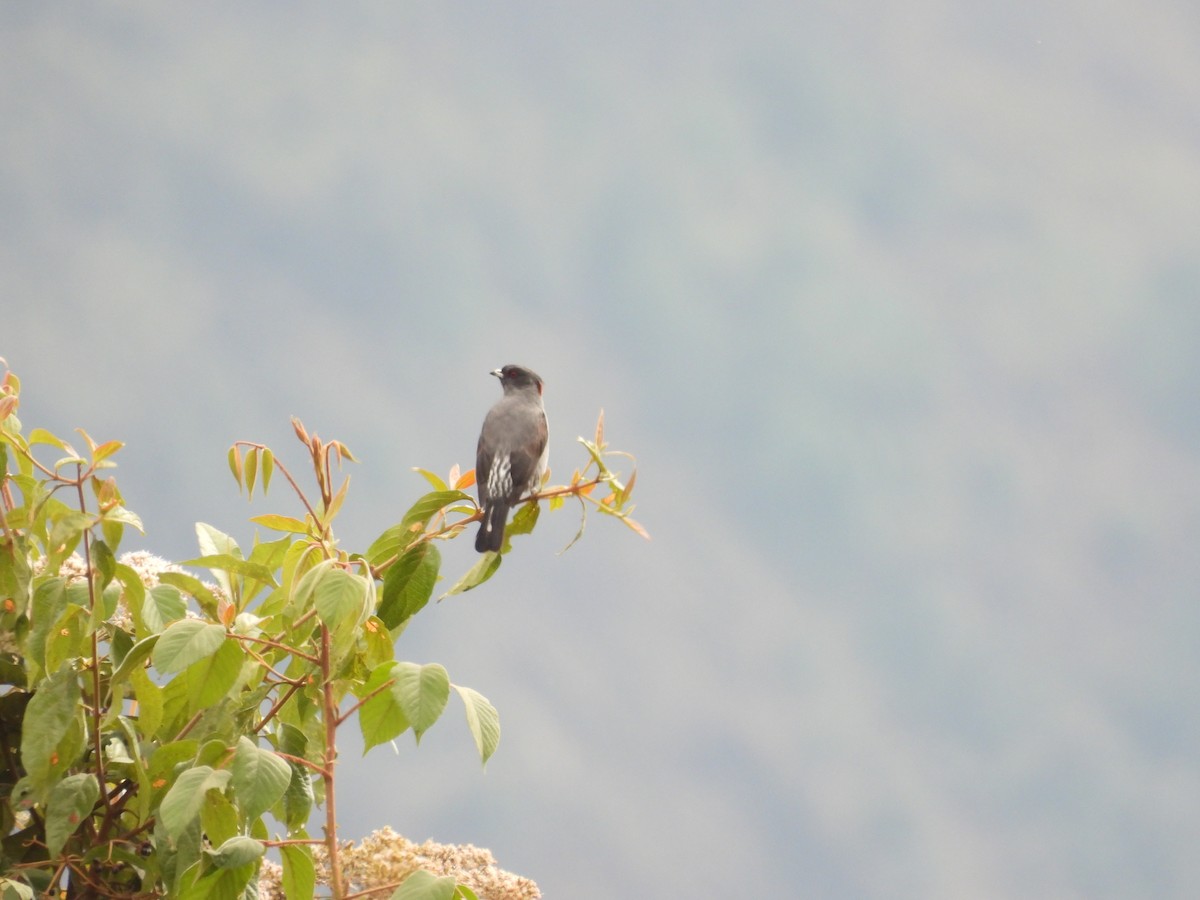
(331, 724)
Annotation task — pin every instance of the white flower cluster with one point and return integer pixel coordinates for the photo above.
(385, 858)
(148, 568)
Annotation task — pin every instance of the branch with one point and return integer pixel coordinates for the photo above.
(348, 713)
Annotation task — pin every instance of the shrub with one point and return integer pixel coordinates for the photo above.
(154, 721)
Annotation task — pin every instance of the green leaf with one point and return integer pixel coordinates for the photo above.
(260, 778)
(483, 720)
(42, 436)
(182, 803)
(218, 816)
(281, 523)
(104, 563)
(218, 563)
(116, 750)
(378, 644)
(73, 744)
(380, 718)
(298, 799)
(211, 678)
(149, 696)
(121, 516)
(65, 534)
(271, 554)
(71, 801)
(116, 702)
(167, 757)
(139, 803)
(423, 510)
(48, 718)
(15, 578)
(15, 890)
(433, 479)
(66, 637)
(134, 594)
(300, 558)
(327, 514)
(219, 884)
(299, 874)
(105, 450)
(175, 706)
(268, 467)
(163, 605)
(391, 543)
(408, 583)
(422, 885)
(134, 659)
(237, 851)
(594, 451)
(476, 575)
(251, 471)
(523, 520)
(49, 601)
(306, 586)
(340, 598)
(184, 643)
(106, 608)
(192, 585)
(181, 864)
(214, 542)
(235, 463)
(122, 643)
(421, 692)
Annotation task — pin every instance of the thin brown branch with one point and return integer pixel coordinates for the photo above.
(564, 491)
(311, 842)
(307, 763)
(286, 648)
(49, 473)
(353, 709)
(279, 676)
(278, 705)
(97, 699)
(331, 724)
(191, 723)
(377, 889)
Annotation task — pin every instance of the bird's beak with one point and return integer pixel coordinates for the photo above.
(497, 373)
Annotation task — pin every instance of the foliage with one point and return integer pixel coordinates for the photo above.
(153, 723)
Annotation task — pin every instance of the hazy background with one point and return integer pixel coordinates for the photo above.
(897, 303)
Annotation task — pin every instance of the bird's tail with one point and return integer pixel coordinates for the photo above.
(491, 529)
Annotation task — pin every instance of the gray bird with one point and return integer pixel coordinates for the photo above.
(512, 451)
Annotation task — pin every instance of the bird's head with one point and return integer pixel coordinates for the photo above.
(516, 378)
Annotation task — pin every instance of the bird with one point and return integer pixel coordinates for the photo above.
(510, 459)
